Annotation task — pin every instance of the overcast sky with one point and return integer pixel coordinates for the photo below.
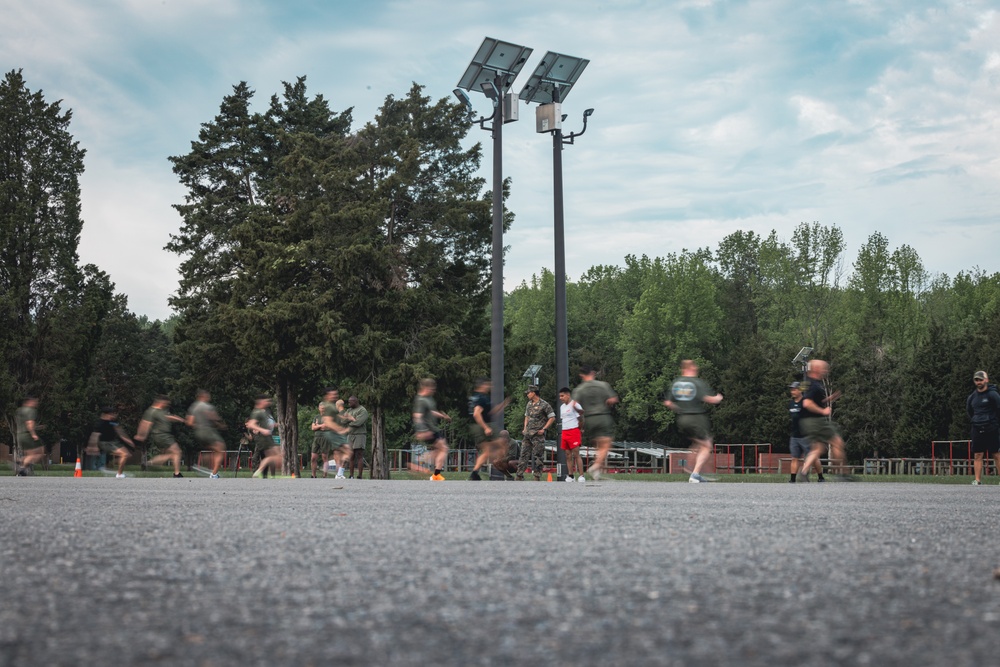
(711, 116)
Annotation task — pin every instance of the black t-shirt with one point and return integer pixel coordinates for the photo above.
(815, 392)
(983, 406)
(795, 412)
(482, 401)
(106, 430)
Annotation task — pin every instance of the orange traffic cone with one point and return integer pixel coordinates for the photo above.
(550, 478)
(78, 472)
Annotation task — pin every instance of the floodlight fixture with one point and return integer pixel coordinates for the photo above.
(588, 113)
(495, 60)
(554, 77)
(463, 97)
(490, 90)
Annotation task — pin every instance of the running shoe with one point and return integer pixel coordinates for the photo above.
(595, 472)
(120, 475)
(178, 475)
(802, 478)
(695, 478)
(214, 476)
(976, 482)
(569, 478)
(474, 477)
(581, 479)
(437, 478)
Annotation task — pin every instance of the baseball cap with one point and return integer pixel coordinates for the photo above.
(794, 385)
(979, 375)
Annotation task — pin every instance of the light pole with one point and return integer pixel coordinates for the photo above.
(492, 72)
(549, 85)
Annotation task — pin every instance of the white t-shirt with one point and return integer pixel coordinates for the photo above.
(569, 415)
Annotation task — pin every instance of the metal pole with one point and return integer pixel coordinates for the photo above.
(562, 341)
(496, 358)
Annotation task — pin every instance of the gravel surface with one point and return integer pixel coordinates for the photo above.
(316, 572)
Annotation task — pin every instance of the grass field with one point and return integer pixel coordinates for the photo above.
(66, 470)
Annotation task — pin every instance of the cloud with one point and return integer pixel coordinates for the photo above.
(711, 116)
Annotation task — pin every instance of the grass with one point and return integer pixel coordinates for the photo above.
(67, 469)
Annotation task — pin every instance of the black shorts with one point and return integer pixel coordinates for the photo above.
(985, 439)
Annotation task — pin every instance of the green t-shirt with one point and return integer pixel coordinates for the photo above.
(593, 396)
(425, 407)
(688, 395)
(264, 421)
(360, 424)
(22, 416)
(202, 413)
(161, 432)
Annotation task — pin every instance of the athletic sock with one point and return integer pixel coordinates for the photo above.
(437, 471)
(820, 477)
(793, 478)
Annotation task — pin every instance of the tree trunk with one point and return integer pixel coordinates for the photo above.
(380, 454)
(288, 425)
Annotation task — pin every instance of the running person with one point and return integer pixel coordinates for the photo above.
(156, 426)
(32, 448)
(202, 417)
(261, 425)
(321, 444)
(571, 418)
(816, 424)
(112, 439)
(596, 398)
(482, 412)
(538, 417)
(335, 425)
(425, 427)
(690, 397)
(798, 446)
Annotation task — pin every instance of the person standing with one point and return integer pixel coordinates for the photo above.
(690, 397)
(156, 425)
(261, 425)
(798, 446)
(481, 411)
(112, 439)
(32, 448)
(571, 418)
(356, 417)
(816, 423)
(538, 417)
(202, 417)
(597, 398)
(425, 427)
(983, 408)
(320, 444)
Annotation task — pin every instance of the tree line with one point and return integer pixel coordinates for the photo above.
(903, 343)
(315, 253)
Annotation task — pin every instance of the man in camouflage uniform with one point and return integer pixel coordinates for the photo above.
(538, 417)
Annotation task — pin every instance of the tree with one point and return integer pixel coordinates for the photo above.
(40, 166)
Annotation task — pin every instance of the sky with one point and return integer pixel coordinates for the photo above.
(711, 116)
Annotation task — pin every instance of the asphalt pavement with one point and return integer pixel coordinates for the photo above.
(320, 572)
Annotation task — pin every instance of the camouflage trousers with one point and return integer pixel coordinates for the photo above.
(532, 453)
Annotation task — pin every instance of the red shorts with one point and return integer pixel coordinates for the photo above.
(570, 439)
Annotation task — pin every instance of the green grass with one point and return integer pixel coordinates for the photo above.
(67, 469)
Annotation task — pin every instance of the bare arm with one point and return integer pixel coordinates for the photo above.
(143, 431)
